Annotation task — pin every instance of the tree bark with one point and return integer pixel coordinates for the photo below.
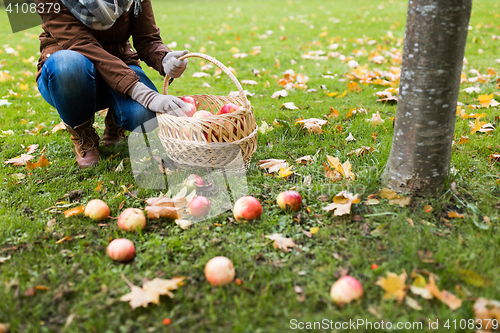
(434, 47)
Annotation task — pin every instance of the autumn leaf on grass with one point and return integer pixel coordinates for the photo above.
(487, 100)
(167, 202)
(273, 165)
(163, 287)
(472, 278)
(19, 160)
(394, 286)
(342, 203)
(313, 125)
(361, 151)
(444, 296)
(333, 113)
(485, 311)
(463, 140)
(486, 128)
(281, 242)
(289, 106)
(42, 161)
(304, 159)
(139, 297)
(476, 125)
(184, 224)
(31, 149)
(418, 286)
(285, 172)
(393, 197)
(156, 212)
(344, 169)
(74, 211)
(279, 93)
(455, 215)
(375, 119)
(265, 128)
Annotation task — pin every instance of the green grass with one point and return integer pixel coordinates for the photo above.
(85, 285)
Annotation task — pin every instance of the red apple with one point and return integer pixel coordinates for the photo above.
(202, 114)
(345, 290)
(191, 181)
(192, 112)
(97, 209)
(247, 209)
(290, 200)
(199, 206)
(132, 219)
(228, 108)
(189, 100)
(121, 249)
(219, 271)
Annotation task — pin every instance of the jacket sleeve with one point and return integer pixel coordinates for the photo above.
(71, 34)
(146, 37)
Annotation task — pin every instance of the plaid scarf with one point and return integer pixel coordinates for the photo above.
(100, 14)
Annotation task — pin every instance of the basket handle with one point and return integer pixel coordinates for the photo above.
(219, 64)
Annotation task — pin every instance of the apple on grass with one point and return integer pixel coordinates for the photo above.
(247, 209)
(199, 206)
(96, 209)
(132, 219)
(219, 271)
(289, 200)
(121, 249)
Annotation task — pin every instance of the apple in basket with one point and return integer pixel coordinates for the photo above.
(190, 100)
(228, 108)
(203, 114)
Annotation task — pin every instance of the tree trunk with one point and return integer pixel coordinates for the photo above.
(434, 47)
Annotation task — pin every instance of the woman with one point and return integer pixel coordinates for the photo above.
(88, 64)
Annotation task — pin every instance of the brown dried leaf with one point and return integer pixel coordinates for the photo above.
(304, 159)
(167, 202)
(485, 311)
(273, 165)
(342, 203)
(361, 151)
(163, 287)
(156, 212)
(31, 149)
(58, 127)
(394, 286)
(42, 161)
(313, 125)
(444, 296)
(455, 215)
(281, 242)
(19, 160)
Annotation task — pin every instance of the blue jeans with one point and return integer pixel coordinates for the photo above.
(70, 83)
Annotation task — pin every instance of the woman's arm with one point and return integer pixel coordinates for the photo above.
(73, 35)
(146, 37)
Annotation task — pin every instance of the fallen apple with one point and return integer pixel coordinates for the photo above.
(228, 108)
(192, 181)
(219, 271)
(132, 219)
(96, 209)
(121, 249)
(345, 290)
(289, 200)
(247, 209)
(199, 206)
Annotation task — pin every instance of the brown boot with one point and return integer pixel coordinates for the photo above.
(113, 134)
(86, 141)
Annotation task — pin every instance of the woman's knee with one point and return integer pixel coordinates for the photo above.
(70, 66)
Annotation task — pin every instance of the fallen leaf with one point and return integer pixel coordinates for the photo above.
(140, 297)
(413, 303)
(167, 202)
(184, 224)
(289, 106)
(99, 186)
(279, 93)
(486, 128)
(285, 172)
(42, 161)
(281, 242)
(455, 215)
(4, 328)
(58, 127)
(163, 287)
(418, 286)
(333, 113)
(375, 119)
(394, 286)
(485, 311)
(249, 82)
(314, 230)
(350, 138)
(371, 202)
(74, 211)
(157, 212)
(361, 151)
(487, 100)
(273, 165)
(31, 149)
(444, 296)
(265, 128)
(19, 160)
(313, 125)
(394, 198)
(344, 169)
(64, 239)
(4, 259)
(342, 203)
(304, 159)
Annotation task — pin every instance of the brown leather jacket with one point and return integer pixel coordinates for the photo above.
(109, 50)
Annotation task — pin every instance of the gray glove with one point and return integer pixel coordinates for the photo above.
(156, 102)
(172, 66)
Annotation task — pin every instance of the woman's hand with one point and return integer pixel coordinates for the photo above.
(156, 102)
(172, 66)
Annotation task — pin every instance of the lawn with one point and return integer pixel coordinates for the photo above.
(57, 284)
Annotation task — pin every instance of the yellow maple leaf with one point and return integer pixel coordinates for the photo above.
(487, 100)
(344, 169)
(285, 172)
(314, 230)
(394, 286)
(333, 113)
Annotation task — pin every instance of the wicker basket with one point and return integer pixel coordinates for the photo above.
(217, 141)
